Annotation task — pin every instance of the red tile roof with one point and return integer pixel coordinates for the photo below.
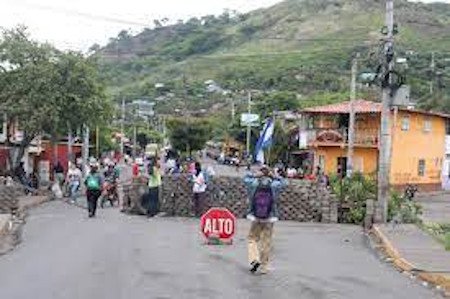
(361, 106)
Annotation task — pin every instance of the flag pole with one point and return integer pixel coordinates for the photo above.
(269, 154)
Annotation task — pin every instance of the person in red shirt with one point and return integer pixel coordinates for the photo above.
(135, 170)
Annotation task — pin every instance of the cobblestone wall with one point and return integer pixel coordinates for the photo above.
(300, 201)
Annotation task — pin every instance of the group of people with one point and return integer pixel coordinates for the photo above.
(100, 183)
(263, 189)
(150, 171)
(29, 182)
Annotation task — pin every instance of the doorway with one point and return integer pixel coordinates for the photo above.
(341, 166)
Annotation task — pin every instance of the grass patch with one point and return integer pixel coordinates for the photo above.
(441, 232)
(447, 241)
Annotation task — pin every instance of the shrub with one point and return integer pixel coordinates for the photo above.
(403, 210)
(353, 193)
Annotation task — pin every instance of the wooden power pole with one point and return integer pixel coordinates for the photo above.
(351, 127)
(385, 134)
(249, 128)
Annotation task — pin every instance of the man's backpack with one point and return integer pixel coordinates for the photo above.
(93, 182)
(262, 201)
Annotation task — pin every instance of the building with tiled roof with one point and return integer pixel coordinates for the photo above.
(420, 142)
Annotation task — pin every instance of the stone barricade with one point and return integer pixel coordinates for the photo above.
(302, 201)
(133, 197)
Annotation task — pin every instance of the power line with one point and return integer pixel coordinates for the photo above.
(86, 15)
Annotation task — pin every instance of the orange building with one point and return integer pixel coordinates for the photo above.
(418, 152)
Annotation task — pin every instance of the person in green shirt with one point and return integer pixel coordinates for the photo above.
(154, 183)
(94, 183)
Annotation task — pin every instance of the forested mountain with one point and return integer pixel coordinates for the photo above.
(299, 49)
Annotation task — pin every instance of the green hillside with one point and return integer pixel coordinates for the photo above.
(300, 47)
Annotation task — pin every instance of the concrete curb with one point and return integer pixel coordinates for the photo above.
(33, 204)
(11, 232)
(439, 279)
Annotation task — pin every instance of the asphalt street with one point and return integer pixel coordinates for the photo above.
(64, 254)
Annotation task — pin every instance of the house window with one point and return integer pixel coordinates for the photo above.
(405, 123)
(427, 125)
(421, 169)
(447, 127)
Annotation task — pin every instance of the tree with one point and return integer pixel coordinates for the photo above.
(157, 23)
(79, 95)
(26, 93)
(188, 135)
(148, 136)
(45, 90)
(142, 139)
(94, 48)
(280, 145)
(277, 101)
(123, 35)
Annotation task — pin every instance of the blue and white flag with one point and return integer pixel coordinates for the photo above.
(265, 140)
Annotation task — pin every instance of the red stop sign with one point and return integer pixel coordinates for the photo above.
(218, 222)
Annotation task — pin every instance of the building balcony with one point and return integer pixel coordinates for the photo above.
(339, 137)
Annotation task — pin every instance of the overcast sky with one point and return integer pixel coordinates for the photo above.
(77, 24)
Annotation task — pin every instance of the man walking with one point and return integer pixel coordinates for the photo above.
(74, 178)
(93, 184)
(263, 190)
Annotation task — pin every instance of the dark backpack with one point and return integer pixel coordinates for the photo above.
(262, 202)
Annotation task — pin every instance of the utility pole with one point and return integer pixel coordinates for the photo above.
(134, 119)
(351, 127)
(233, 110)
(134, 140)
(85, 152)
(69, 145)
(186, 113)
(385, 134)
(249, 128)
(433, 67)
(122, 129)
(97, 142)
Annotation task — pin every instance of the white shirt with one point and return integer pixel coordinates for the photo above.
(74, 174)
(199, 183)
(171, 163)
(291, 172)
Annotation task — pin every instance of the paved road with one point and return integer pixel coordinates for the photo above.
(66, 255)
